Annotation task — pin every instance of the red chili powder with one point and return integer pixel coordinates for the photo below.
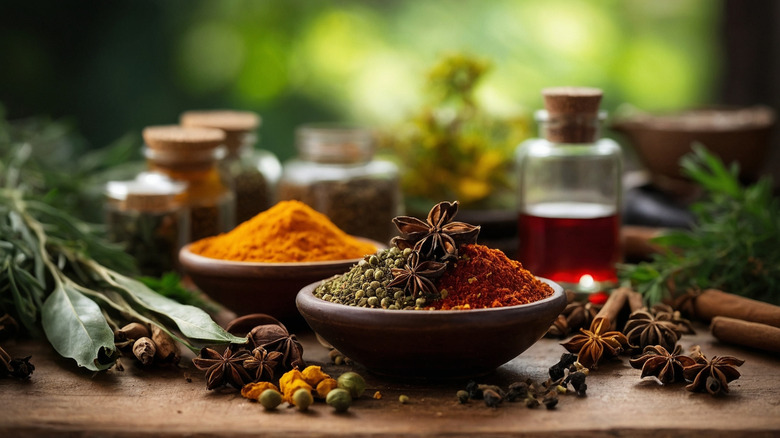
(484, 277)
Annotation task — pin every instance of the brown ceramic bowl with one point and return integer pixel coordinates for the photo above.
(431, 343)
(734, 134)
(252, 287)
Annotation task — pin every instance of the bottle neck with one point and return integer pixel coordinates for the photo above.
(582, 128)
(335, 144)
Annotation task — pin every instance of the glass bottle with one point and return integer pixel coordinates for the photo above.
(337, 174)
(147, 217)
(190, 155)
(252, 174)
(569, 193)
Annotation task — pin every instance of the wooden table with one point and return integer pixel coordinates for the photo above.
(174, 402)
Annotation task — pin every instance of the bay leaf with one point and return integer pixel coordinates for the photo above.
(76, 328)
(192, 321)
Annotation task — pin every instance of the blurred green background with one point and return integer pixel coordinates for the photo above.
(113, 67)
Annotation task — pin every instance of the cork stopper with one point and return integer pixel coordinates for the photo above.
(226, 120)
(572, 114)
(178, 146)
(149, 192)
(237, 125)
(572, 100)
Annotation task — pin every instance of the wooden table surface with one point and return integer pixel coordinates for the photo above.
(174, 402)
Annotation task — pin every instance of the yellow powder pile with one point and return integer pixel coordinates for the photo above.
(290, 231)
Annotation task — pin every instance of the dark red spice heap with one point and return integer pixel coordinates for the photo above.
(484, 277)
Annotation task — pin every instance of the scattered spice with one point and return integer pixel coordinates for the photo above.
(326, 386)
(591, 345)
(658, 362)
(275, 337)
(144, 349)
(302, 399)
(403, 399)
(18, 368)
(263, 363)
(352, 382)
(483, 277)
(223, 369)
(642, 330)
(291, 382)
(438, 238)
(270, 398)
(290, 231)
(712, 375)
(254, 390)
(339, 399)
(377, 395)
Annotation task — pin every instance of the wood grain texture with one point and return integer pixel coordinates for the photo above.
(71, 402)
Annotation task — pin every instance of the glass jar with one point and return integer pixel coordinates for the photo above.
(147, 217)
(252, 174)
(190, 155)
(569, 194)
(337, 174)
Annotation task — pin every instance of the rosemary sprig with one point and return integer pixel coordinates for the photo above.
(733, 245)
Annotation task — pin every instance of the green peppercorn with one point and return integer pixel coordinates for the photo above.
(373, 302)
(403, 399)
(385, 302)
(339, 399)
(420, 302)
(373, 260)
(359, 294)
(270, 399)
(375, 284)
(398, 295)
(352, 382)
(369, 274)
(302, 399)
(379, 274)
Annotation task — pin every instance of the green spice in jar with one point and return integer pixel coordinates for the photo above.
(147, 218)
(366, 284)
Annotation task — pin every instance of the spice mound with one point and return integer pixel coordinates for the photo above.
(290, 231)
(483, 277)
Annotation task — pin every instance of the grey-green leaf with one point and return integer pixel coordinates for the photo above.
(76, 328)
(193, 322)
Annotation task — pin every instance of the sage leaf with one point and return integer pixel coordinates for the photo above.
(193, 322)
(76, 328)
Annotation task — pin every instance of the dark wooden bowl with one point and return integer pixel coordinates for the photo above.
(438, 344)
(252, 287)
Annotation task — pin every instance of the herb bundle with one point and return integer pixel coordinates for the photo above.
(733, 245)
(56, 273)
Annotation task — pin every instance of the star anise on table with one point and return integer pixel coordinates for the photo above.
(275, 337)
(712, 375)
(263, 363)
(437, 238)
(665, 312)
(591, 345)
(223, 369)
(643, 329)
(658, 362)
(417, 276)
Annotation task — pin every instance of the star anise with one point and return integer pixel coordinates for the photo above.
(19, 368)
(642, 330)
(665, 312)
(275, 337)
(580, 314)
(438, 238)
(713, 375)
(417, 276)
(263, 363)
(590, 345)
(658, 362)
(223, 369)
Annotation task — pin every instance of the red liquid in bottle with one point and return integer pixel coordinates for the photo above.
(566, 241)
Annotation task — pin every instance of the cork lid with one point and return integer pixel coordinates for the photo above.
(572, 100)
(173, 137)
(147, 192)
(226, 120)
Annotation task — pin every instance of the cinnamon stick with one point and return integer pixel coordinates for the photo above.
(635, 300)
(748, 334)
(713, 302)
(615, 303)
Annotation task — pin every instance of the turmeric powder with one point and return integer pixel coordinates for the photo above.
(290, 231)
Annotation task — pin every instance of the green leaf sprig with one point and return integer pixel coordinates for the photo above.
(49, 273)
(734, 244)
